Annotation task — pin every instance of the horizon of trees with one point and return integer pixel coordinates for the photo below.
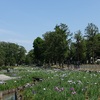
(11, 54)
(55, 47)
(61, 46)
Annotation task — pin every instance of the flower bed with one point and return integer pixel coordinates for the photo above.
(57, 84)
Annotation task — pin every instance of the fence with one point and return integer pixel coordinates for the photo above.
(91, 67)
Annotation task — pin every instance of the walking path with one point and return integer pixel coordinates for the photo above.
(5, 77)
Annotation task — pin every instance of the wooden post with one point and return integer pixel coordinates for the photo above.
(15, 95)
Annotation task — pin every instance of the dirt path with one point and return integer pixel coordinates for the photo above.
(5, 77)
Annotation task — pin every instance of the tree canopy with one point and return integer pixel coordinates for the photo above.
(11, 54)
(55, 47)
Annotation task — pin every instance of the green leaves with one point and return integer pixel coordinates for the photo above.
(38, 49)
(54, 46)
(11, 54)
(92, 34)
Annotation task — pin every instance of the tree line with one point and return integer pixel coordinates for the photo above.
(59, 46)
(11, 54)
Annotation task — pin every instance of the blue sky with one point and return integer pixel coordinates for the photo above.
(21, 21)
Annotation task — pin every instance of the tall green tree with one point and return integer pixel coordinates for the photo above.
(11, 50)
(80, 45)
(56, 43)
(2, 53)
(30, 59)
(62, 33)
(97, 45)
(91, 31)
(21, 55)
(38, 50)
(72, 53)
(49, 46)
(11, 54)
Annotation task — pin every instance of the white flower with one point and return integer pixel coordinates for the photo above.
(74, 83)
(44, 89)
(62, 79)
(63, 75)
(15, 81)
(95, 75)
(87, 71)
(70, 81)
(95, 83)
(79, 82)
